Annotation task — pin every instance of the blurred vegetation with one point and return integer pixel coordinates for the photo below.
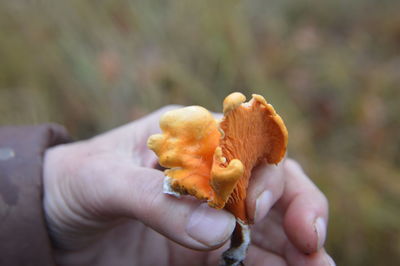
(330, 68)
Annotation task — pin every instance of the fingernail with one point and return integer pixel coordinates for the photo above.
(330, 261)
(320, 229)
(209, 226)
(263, 205)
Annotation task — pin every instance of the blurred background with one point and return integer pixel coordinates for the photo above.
(330, 68)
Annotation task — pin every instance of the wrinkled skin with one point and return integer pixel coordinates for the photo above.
(104, 205)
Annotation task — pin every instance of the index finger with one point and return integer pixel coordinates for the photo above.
(305, 209)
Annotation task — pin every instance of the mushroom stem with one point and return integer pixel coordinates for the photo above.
(240, 241)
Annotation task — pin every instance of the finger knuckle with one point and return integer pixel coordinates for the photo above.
(293, 165)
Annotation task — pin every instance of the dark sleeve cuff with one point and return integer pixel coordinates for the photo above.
(23, 235)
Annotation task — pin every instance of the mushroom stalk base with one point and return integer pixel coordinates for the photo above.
(240, 241)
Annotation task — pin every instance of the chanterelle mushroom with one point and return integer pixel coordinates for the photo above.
(213, 160)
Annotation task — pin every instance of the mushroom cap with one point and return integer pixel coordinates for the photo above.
(253, 134)
(213, 161)
(187, 145)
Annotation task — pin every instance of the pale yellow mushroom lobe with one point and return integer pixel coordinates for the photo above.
(232, 101)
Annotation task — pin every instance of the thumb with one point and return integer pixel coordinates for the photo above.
(137, 193)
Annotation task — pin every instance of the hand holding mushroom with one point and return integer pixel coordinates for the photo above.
(105, 205)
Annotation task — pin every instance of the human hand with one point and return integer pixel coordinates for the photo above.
(104, 205)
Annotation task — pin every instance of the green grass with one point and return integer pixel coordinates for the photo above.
(330, 68)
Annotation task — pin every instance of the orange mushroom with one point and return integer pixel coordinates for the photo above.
(213, 160)
(187, 146)
(253, 133)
